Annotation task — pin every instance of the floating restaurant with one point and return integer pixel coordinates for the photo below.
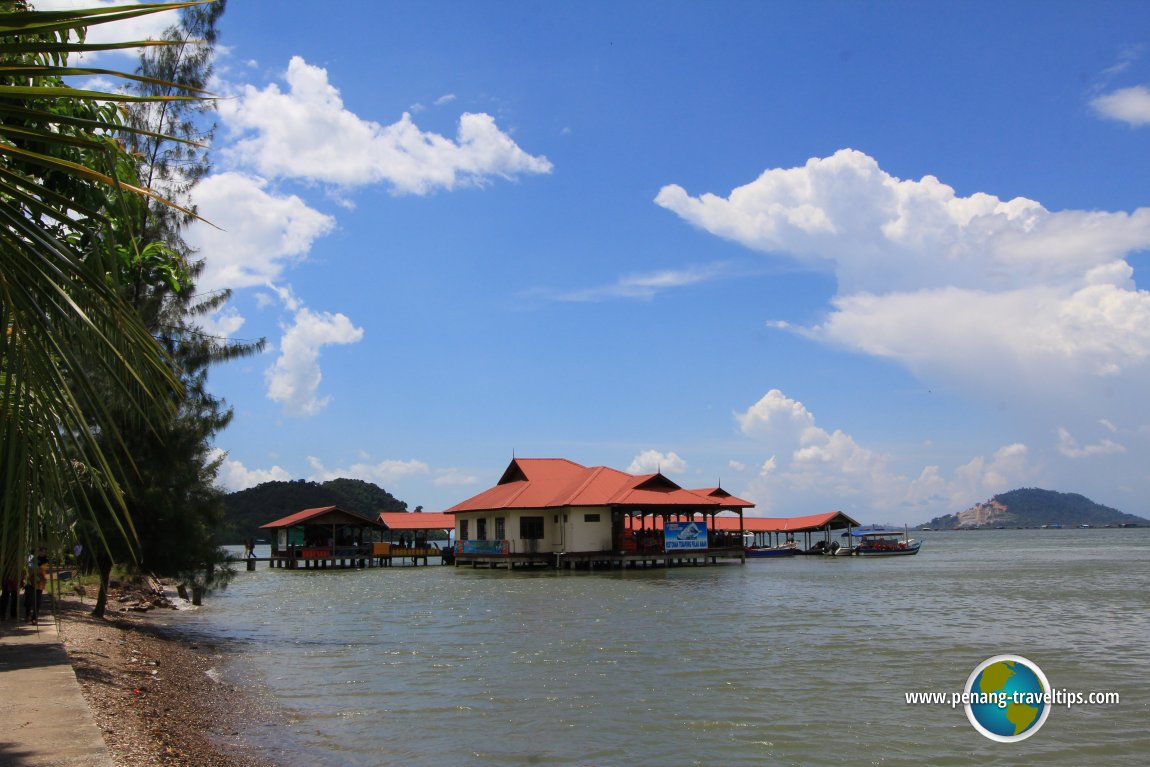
(552, 511)
(329, 537)
(324, 537)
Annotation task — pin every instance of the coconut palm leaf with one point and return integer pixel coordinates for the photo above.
(72, 351)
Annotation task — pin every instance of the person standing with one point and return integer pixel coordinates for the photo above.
(34, 589)
(9, 591)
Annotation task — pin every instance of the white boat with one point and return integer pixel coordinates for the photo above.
(885, 543)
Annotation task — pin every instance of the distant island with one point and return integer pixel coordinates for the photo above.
(1032, 507)
(246, 510)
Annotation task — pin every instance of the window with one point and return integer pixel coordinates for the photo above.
(463, 530)
(531, 528)
(590, 517)
(500, 529)
(481, 529)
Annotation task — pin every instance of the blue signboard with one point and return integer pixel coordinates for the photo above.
(684, 535)
(484, 547)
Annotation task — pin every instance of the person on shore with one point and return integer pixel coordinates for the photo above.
(9, 592)
(34, 589)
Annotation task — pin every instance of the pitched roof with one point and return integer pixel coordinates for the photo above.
(321, 515)
(833, 520)
(540, 483)
(408, 520)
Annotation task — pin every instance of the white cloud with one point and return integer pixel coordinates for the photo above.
(651, 461)
(1128, 105)
(1025, 305)
(224, 323)
(233, 475)
(1070, 447)
(381, 472)
(454, 478)
(737, 465)
(812, 469)
(147, 27)
(259, 233)
(294, 379)
(644, 286)
(307, 133)
(776, 413)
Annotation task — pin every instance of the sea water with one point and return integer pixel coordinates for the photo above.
(803, 660)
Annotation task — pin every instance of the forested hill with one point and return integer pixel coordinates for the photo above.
(1032, 507)
(248, 509)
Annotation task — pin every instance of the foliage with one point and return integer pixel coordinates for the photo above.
(247, 509)
(72, 350)
(1033, 507)
(172, 497)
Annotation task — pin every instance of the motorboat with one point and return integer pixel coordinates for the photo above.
(884, 543)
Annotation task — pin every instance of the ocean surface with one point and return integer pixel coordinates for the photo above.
(799, 661)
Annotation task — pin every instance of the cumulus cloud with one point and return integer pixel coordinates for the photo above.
(306, 132)
(1071, 448)
(147, 27)
(651, 461)
(257, 233)
(380, 472)
(294, 379)
(1000, 294)
(454, 478)
(233, 475)
(813, 469)
(1128, 105)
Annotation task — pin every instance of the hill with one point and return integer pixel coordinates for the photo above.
(1032, 507)
(247, 509)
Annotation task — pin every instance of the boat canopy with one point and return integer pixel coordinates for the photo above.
(876, 533)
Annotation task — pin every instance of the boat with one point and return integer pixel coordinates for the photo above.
(760, 552)
(752, 549)
(885, 543)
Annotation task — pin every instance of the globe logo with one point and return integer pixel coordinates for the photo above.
(1007, 698)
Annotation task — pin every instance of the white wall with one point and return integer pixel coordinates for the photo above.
(564, 529)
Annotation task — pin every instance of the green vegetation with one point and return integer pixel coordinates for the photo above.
(1032, 507)
(105, 421)
(248, 509)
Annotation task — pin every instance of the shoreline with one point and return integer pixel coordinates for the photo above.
(157, 697)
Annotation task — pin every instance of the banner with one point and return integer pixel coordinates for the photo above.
(484, 547)
(684, 535)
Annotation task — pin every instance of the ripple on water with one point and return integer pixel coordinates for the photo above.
(804, 661)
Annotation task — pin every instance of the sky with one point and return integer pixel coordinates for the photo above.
(889, 258)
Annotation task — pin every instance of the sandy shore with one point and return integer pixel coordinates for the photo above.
(158, 699)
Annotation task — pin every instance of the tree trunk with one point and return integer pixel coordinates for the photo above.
(105, 568)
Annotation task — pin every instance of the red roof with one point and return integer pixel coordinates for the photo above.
(334, 514)
(539, 483)
(809, 523)
(409, 520)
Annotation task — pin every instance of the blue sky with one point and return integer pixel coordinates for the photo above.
(888, 258)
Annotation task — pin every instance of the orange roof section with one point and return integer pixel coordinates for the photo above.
(541, 483)
(409, 520)
(309, 515)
